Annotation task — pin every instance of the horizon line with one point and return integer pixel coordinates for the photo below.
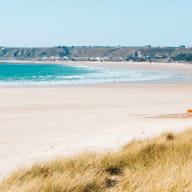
(95, 46)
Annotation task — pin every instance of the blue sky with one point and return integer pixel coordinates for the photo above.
(95, 22)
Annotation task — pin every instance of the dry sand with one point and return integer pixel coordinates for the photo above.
(42, 123)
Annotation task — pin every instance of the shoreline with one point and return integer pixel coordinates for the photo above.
(185, 67)
(182, 68)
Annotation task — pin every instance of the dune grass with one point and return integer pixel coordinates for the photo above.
(162, 164)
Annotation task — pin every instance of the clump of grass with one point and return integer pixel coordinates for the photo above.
(153, 165)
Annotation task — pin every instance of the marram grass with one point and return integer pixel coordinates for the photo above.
(162, 164)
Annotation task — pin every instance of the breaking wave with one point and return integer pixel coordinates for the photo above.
(58, 75)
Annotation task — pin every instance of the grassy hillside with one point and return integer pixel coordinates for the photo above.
(163, 164)
(99, 53)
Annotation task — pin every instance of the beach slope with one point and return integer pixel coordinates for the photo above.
(42, 123)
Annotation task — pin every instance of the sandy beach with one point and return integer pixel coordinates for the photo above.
(40, 123)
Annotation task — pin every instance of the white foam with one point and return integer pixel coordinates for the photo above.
(98, 75)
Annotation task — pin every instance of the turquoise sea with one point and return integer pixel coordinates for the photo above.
(58, 75)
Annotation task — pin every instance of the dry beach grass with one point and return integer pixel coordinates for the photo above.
(153, 165)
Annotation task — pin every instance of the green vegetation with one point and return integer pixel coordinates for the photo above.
(183, 57)
(163, 164)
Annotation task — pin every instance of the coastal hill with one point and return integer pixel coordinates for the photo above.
(89, 53)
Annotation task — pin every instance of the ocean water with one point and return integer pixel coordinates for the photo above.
(58, 75)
